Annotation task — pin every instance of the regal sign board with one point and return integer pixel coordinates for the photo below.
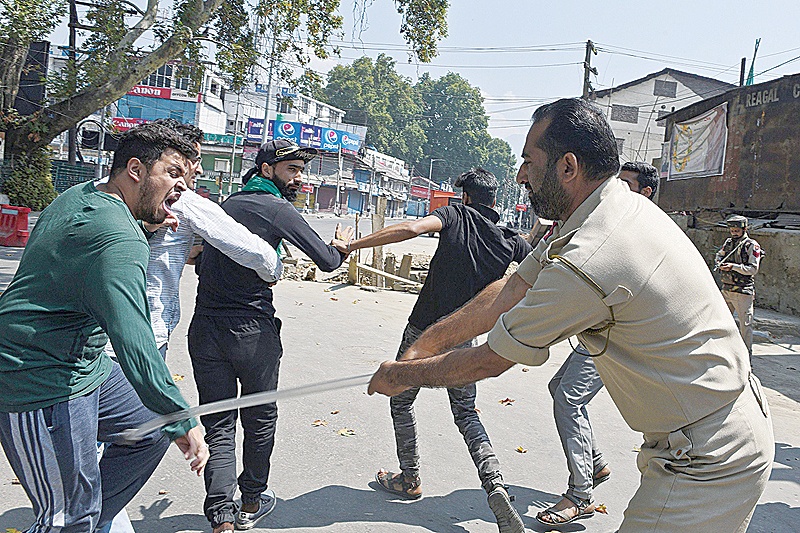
(522, 207)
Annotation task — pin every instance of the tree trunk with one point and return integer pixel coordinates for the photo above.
(38, 130)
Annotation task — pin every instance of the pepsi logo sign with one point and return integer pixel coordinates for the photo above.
(287, 129)
(331, 137)
(347, 141)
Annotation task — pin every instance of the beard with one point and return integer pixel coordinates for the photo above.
(147, 205)
(552, 200)
(288, 194)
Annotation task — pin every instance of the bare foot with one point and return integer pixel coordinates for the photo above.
(567, 509)
(225, 526)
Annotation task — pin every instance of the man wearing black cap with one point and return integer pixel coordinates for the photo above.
(234, 337)
(738, 261)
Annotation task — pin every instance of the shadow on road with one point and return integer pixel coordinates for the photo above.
(336, 504)
(779, 371)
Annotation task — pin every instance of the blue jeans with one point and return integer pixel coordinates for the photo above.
(53, 452)
(572, 388)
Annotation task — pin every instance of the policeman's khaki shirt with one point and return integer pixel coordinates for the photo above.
(674, 355)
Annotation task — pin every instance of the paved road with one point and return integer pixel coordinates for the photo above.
(324, 481)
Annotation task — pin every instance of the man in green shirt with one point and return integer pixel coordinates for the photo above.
(81, 281)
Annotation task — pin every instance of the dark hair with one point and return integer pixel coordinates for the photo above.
(479, 184)
(579, 127)
(190, 131)
(147, 142)
(646, 175)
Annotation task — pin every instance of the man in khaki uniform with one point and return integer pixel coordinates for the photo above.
(738, 261)
(614, 273)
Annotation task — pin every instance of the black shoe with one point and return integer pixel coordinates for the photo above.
(265, 506)
(508, 520)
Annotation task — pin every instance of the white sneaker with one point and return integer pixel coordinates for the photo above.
(266, 505)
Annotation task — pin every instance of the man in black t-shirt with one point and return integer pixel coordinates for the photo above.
(473, 252)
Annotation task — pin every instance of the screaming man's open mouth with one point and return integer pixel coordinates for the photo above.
(171, 199)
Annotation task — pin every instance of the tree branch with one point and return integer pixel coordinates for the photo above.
(142, 26)
(66, 113)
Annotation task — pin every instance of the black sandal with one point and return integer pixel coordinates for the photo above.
(597, 480)
(399, 484)
(559, 518)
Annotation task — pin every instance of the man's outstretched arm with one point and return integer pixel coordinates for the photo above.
(452, 369)
(396, 233)
(474, 318)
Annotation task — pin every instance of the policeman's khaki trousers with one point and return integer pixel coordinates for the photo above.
(743, 305)
(708, 476)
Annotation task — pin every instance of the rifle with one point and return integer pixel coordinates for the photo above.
(735, 249)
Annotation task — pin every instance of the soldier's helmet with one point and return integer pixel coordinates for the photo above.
(736, 221)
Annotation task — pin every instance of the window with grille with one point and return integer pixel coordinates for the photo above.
(160, 78)
(665, 88)
(625, 113)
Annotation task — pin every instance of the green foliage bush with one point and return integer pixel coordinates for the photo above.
(30, 183)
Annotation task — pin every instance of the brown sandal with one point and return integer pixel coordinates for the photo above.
(399, 484)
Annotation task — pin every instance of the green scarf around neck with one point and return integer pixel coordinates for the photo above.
(260, 183)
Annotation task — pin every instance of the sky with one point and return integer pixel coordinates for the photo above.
(523, 53)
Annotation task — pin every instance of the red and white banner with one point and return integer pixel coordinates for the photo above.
(420, 192)
(124, 124)
(164, 93)
(151, 92)
(307, 187)
(522, 207)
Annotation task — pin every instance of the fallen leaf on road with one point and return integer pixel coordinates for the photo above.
(298, 303)
(507, 401)
(162, 492)
(356, 301)
(178, 377)
(637, 449)
(477, 410)
(318, 423)
(326, 290)
(601, 508)
(15, 481)
(334, 299)
(347, 432)
(525, 369)
(520, 449)
(336, 412)
(13, 530)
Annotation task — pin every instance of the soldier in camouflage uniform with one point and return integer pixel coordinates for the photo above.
(738, 261)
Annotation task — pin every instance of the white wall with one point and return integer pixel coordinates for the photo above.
(642, 141)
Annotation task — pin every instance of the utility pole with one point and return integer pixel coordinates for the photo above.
(72, 133)
(269, 88)
(588, 69)
(233, 148)
(338, 209)
(430, 182)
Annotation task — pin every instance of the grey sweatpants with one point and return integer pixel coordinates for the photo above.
(572, 388)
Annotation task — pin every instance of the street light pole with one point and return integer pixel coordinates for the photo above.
(430, 189)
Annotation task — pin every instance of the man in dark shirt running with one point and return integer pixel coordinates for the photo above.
(473, 252)
(234, 337)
